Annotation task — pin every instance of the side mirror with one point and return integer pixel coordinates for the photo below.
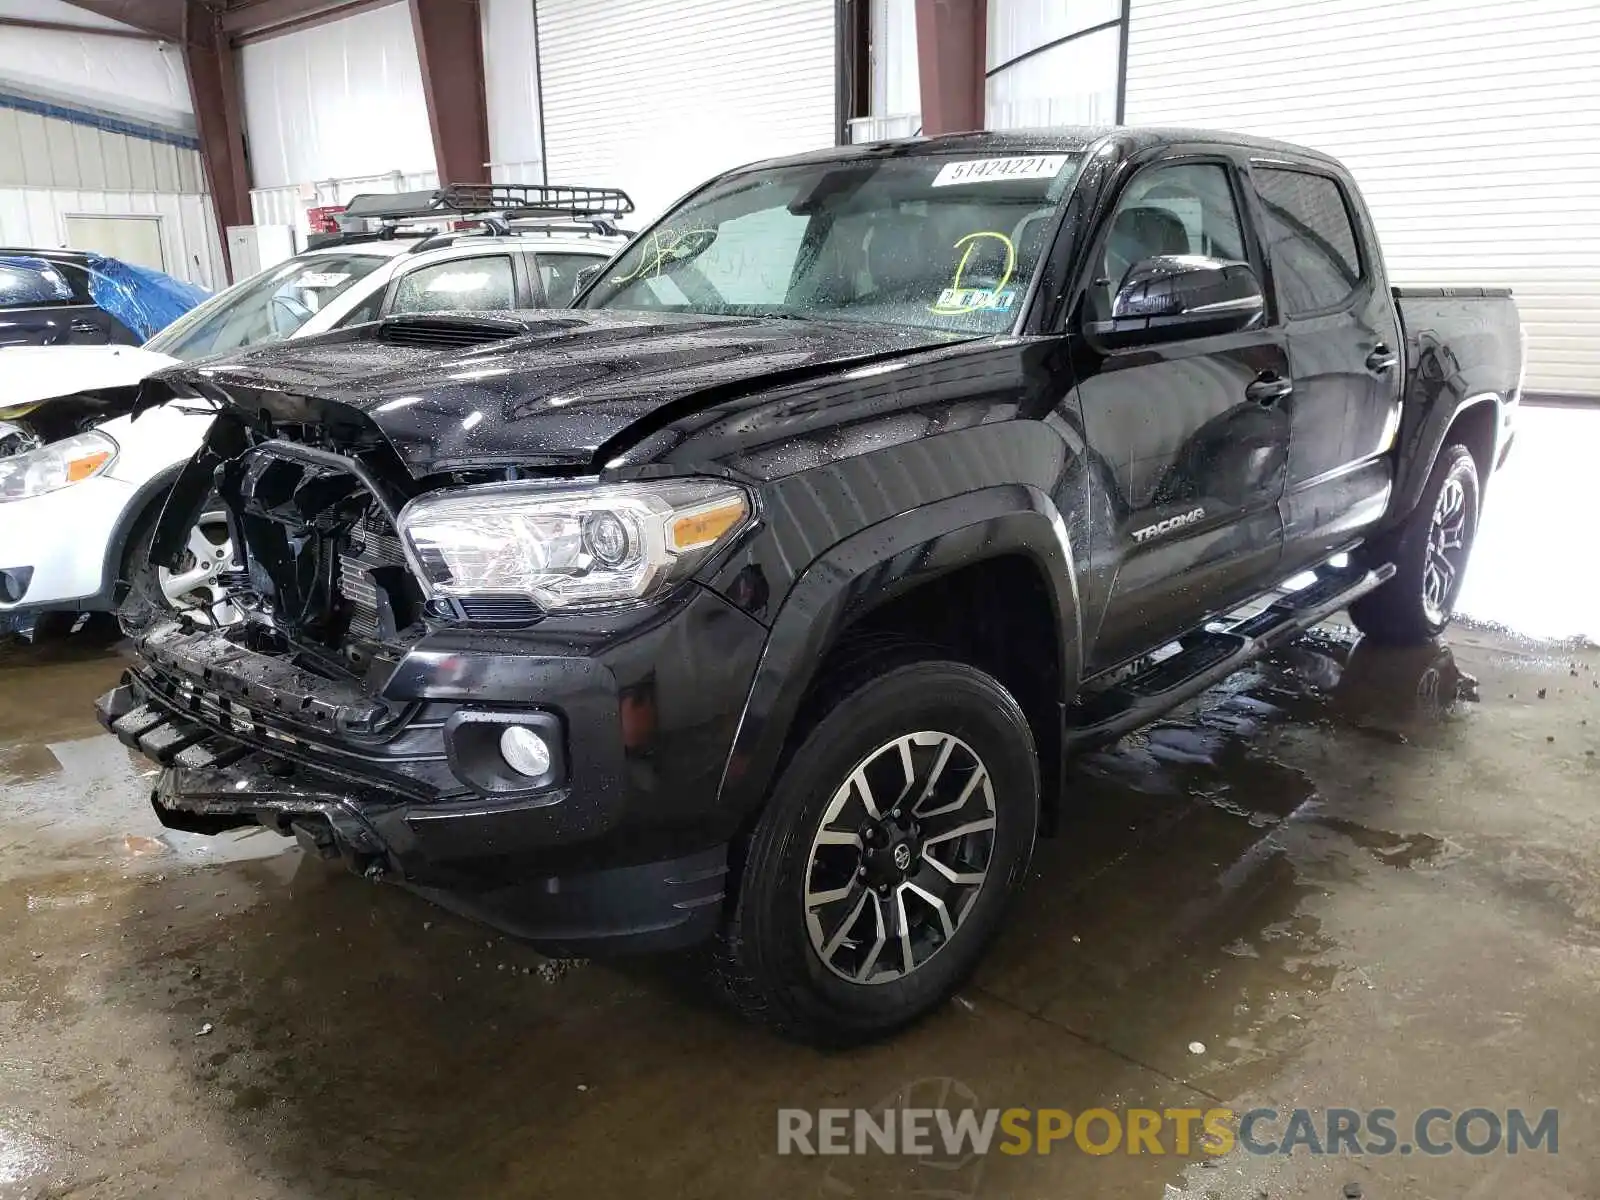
(1176, 296)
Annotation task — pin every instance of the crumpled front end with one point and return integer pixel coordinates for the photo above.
(345, 709)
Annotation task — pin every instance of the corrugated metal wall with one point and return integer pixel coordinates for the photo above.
(52, 168)
(657, 95)
(1470, 125)
(40, 151)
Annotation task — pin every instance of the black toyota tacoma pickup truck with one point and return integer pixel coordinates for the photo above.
(760, 597)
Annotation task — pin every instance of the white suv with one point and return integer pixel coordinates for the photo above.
(76, 512)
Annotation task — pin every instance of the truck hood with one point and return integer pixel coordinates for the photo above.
(31, 375)
(563, 389)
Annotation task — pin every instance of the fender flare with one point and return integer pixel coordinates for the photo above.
(1429, 441)
(870, 568)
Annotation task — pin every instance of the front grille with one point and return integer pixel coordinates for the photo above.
(369, 553)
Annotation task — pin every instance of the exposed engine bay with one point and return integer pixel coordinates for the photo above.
(323, 576)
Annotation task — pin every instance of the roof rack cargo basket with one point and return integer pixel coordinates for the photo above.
(513, 201)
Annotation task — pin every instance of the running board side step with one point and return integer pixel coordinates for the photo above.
(1210, 654)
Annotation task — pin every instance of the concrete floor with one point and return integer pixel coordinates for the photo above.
(1356, 884)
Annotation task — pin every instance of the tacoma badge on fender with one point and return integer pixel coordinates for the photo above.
(1167, 526)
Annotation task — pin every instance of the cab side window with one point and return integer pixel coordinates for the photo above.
(483, 283)
(1312, 239)
(1187, 208)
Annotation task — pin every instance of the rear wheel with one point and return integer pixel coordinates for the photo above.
(1430, 552)
(882, 864)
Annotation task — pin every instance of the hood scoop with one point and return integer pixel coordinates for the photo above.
(448, 332)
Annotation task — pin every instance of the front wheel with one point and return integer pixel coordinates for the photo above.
(191, 588)
(1430, 553)
(884, 859)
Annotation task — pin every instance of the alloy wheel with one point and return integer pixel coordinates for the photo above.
(1448, 536)
(192, 586)
(899, 858)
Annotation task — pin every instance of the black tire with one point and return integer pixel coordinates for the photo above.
(1399, 613)
(767, 960)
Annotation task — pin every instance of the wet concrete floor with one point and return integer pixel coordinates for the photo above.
(1351, 882)
(1347, 880)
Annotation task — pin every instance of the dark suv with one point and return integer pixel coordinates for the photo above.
(761, 597)
(79, 298)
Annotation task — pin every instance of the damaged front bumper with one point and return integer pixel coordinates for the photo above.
(619, 849)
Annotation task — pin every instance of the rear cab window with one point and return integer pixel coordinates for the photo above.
(938, 241)
(1311, 237)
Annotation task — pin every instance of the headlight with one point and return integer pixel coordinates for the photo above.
(58, 465)
(569, 546)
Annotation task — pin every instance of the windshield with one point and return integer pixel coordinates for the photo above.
(264, 308)
(937, 241)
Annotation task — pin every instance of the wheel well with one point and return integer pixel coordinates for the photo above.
(996, 615)
(142, 513)
(1475, 429)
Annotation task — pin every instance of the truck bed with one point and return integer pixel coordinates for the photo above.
(1461, 344)
(1465, 339)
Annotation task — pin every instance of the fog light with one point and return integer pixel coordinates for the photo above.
(525, 751)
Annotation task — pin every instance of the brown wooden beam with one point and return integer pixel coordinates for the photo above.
(160, 18)
(450, 46)
(219, 117)
(951, 41)
(66, 27)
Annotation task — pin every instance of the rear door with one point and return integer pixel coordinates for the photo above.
(1344, 353)
(1187, 439)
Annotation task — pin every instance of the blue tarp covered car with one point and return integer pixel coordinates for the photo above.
(76, 298)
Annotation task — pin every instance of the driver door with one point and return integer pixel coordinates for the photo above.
(1188, 436)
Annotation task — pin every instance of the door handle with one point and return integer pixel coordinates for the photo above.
(84, 326)
(1382, 359)
(1269, 388)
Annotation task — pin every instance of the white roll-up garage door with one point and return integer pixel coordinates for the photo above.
(1470, 125)
(657, 95)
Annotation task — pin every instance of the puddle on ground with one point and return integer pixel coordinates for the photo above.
(279, 1028)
